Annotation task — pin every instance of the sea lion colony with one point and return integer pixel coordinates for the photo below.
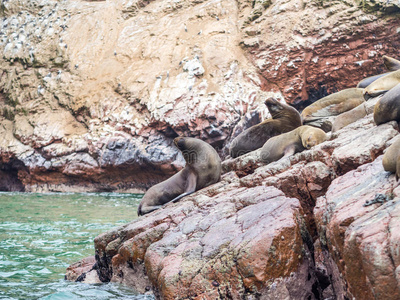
(284, 134)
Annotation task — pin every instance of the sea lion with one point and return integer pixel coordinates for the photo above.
(289, 143)
(382, 85)
(349, 117)
(203, 168)
(388, 107)
(284, 118)
(333, 104)
(390, 63)
(368, 80)
(391, 159)
(322, 111)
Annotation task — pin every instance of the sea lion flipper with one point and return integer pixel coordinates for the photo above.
(203, 167)
(148, 209)
(190, 187)
(176, 199)
(289, 150)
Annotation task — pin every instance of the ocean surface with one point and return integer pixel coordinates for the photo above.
(42, 234)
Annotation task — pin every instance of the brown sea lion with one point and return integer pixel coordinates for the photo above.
(349, 117)
(203, 168)
(382, 85)
(289, 143)
(391, 159)
(284, 118)
(390, 63)
(333, 104)
(388, 107)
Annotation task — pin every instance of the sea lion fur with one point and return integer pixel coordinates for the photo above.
(368, 80)
(349, 117)
(382, 85)
(391, 159)
(333, 104)
(391, 65)
(388, 107)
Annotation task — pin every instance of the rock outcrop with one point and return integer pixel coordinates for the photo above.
(93, 92)
(320, 224)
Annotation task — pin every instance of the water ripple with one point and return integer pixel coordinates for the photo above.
(42, 234)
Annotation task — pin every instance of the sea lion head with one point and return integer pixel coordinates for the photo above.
(313, 136)
(274, 107)
(390, 63)
(189, 148)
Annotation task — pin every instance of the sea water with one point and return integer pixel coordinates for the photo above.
(42, 234)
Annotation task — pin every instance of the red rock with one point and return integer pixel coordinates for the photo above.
(77, 269)
(224, 241)
(358, 237)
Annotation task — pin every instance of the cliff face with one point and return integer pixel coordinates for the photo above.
(93, 92)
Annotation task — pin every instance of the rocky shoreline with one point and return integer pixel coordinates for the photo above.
(293, 229)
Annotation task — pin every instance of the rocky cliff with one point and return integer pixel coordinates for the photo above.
(93, 92)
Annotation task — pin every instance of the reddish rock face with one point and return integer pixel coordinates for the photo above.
(215, 246)
(332, 46)
(361, 239)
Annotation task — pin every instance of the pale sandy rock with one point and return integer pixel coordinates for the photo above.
(92, 70)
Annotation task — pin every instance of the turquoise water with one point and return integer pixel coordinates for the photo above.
(42, 234)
